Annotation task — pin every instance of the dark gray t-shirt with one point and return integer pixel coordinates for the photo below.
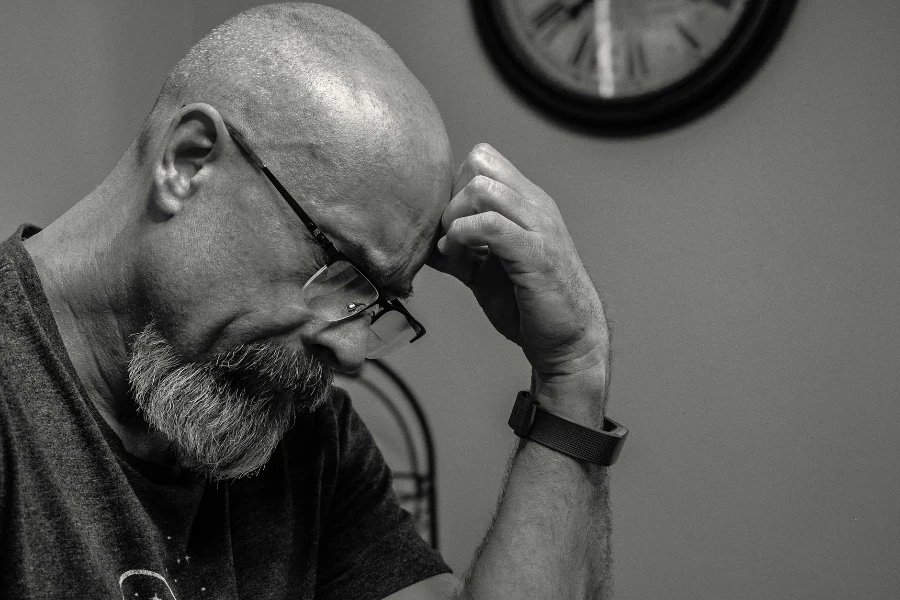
(82, 518)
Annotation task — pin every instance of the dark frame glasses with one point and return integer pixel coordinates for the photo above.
(334, 255)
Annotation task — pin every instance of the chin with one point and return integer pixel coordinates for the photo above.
(225, 416)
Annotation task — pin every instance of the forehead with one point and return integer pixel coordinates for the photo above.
(389, 239)
(375, 179)
(385, 219)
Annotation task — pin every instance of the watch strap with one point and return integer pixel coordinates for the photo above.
(530, 421)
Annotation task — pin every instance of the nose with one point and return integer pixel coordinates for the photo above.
(342, 345)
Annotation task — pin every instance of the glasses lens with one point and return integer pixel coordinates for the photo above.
(389, 331)
(338, 291)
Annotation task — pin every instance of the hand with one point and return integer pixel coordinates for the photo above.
(505, 239)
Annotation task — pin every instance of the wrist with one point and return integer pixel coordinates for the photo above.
(599, 445)
(579, 397)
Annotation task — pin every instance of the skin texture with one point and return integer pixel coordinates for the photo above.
(505, 239)
(185, 234)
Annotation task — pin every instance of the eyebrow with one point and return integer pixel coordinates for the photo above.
(378, 277)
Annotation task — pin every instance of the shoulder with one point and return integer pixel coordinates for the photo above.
(6, 440)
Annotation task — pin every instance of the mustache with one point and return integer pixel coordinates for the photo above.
(273, 366)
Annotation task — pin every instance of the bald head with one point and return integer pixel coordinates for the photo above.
(188, 243)
(335, 114)
(307, 79)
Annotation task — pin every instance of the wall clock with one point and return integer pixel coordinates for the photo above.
(622, 67)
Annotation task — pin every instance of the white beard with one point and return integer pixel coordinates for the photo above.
(224, 417)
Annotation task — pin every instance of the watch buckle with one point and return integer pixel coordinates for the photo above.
(522, 418)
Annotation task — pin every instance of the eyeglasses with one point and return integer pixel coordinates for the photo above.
(340, 290)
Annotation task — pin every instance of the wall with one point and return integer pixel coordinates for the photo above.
(749, 261)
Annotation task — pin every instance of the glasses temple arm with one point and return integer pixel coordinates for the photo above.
(312, 227)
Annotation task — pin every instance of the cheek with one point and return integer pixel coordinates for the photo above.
(210, 288)
(189, 312)
(212, 313)
(193, 288)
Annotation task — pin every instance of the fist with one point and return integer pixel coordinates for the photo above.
(504, 237)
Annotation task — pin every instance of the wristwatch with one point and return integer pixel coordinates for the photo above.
(529, 420)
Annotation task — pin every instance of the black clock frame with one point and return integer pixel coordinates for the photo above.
(733, 64)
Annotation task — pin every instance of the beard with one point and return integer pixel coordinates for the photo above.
(225, 416)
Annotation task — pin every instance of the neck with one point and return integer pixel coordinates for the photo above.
(83, 260)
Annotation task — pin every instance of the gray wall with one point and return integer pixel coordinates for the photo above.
(749, 261)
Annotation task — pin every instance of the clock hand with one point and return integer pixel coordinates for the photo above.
(557, 13)
(575, 10)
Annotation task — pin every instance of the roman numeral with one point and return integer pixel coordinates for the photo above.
(637, 66)
(550, 20)
(546, 16)
(723, 4)
(584, 53)
(688, 36)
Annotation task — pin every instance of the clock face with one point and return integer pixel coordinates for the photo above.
(619, 48)
(624, 67)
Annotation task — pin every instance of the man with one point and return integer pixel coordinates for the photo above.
(167, 424)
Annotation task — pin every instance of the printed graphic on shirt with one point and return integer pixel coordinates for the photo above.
(140, 584)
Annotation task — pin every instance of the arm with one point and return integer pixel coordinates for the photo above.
(505, 239)
(551, 534)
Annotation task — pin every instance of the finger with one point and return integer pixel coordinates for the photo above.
(505, 239)
(483, 194)
(460, 265)
(484, 159)
(450, 246)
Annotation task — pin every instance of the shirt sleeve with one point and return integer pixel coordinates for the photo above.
(5, 439)
(369, 547)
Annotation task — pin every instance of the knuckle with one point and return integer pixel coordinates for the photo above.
(546, 222)
(491, 222)
(481, 157)
(482, 187)
(483, 147)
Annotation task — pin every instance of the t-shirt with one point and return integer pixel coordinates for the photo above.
(82, 518)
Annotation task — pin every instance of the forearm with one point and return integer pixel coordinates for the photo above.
(551, 534)
(550, 537)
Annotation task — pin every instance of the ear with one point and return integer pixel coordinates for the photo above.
(192, 142)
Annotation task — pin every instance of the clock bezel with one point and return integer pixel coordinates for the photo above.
(734, 63)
